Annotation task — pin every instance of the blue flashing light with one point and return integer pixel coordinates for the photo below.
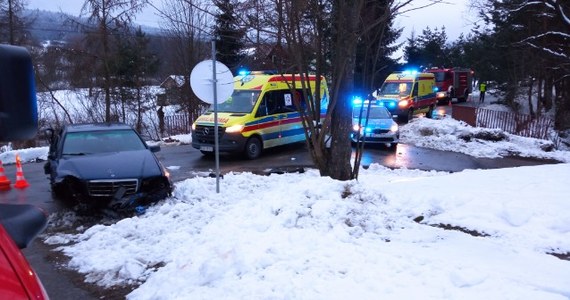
(243, 72)
(435, 89)
(410, 72)
(392, 104)
(368, 130)
(356, 100)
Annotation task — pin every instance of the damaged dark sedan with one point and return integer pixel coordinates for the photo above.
(105, 165)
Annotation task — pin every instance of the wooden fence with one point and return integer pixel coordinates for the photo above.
(513, 123)
(177, 124)
(519, 124)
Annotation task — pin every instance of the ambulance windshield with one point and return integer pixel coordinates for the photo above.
(396, 88)
(241, 101)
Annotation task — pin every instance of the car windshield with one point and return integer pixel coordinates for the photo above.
(91, 142)
(396, 88)
(376, 112)
(241, 101)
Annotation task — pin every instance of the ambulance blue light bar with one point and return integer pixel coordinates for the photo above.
(243, 72)
(410, 72)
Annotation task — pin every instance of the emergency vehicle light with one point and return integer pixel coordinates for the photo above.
(410, 72)
(356, 100)
(243, 72)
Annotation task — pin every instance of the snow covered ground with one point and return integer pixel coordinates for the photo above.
(385, 236)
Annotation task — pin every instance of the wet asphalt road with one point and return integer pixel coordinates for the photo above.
(185, 162)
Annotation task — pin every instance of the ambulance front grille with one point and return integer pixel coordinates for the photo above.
(205, 134)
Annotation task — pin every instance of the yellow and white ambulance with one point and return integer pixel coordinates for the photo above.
(261, 113)
(408, 93)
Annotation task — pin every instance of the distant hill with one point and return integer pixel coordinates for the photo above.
(57, 26)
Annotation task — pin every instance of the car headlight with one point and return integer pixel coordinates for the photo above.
(403, 103)
(355, 127)
(193, 126)
(394, 127)
(440, 95)
(235, 128)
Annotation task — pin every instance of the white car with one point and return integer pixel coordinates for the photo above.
(374, 124)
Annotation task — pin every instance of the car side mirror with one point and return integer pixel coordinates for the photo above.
(23, 222)
(154, 148)
(49, 135)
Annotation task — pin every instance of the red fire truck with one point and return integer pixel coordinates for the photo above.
(452, 83)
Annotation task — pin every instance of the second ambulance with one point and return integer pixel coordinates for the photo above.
(408, 93)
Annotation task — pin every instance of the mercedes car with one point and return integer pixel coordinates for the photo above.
(100, 165)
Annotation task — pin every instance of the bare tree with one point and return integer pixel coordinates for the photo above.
(187, 26)
(107, 16)
(12, 23)
(321, 38)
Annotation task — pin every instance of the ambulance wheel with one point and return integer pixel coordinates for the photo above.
(407, 117)
(253, 148)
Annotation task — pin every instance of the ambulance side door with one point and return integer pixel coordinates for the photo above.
(274, 102)
(420, 94)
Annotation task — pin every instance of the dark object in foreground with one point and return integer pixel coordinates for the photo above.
(104, 165)
(19, 224)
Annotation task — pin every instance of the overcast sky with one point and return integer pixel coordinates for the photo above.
(454, 15)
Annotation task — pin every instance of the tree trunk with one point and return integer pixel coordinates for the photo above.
(346, 26)
(529, 95)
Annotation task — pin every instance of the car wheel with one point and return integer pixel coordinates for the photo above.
(429, 114)
(57, 191)
(253, 148)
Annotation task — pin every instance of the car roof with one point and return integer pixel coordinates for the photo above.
(96, 126)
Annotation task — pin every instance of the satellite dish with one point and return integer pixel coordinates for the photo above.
(202, 83)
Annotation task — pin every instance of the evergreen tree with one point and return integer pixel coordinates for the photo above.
(374, 48)
(413, 52)
(229, 37)
(433, 45)
(132, 64)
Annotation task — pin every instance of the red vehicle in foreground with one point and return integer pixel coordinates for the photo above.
(19, 224)
(452, 83)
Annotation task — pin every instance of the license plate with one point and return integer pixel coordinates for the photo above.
(207, 148)
(377, 135)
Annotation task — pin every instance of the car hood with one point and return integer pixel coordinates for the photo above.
(115, 165)
(377, 123)
(380, 123)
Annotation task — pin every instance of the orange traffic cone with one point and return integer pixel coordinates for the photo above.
(4, 181)
(21, 182)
